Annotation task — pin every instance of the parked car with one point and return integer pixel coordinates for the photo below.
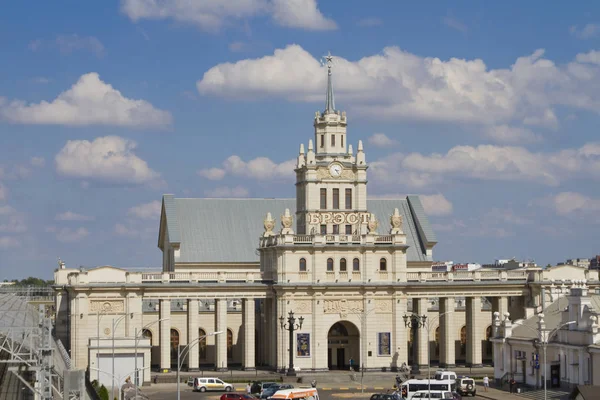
(207, 384)
(271, 390)
(258, 387)
(456, 396)
(237, 396)
(432, 394)
(466, 386)
(441, 375)
(382, 396)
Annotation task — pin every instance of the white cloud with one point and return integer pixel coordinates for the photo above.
(122, 230)
(225, 192)
(568, 203)
(147, 210)
(90, 101)
(109, 159)
(260, 168)
(7, 242)
(436, 204)
(68, 44)
(214, 15)
(236, 46)
(214, 174)
(68, 235)
(71, 216)
(454, 23)
(588, 31)
(38, 161)
(300, 14)
(399, 85)
(3, 192)
(488, 162)
(12, 221)
(512, 134)
(369, 22)
(42, 80)
(381, 140)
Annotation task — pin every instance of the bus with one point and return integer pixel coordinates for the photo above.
(410, 387)
(296, 394)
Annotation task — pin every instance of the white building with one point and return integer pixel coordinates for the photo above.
(567, 320)
(351, 267)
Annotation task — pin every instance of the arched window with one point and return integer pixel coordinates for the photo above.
(463, 340)
(330, 264)
(343, 265)
(202, 344)
(146, 334)
(355, 265)
(229, 344)
(338, 329)
(383, 264)
(174, 345)
(302, 265)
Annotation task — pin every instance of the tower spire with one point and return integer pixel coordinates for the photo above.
(330, 101)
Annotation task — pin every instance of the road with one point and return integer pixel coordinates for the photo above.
(168, 392)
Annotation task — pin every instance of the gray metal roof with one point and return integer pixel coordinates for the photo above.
(228, 230)
(552, 319)
(421, 219)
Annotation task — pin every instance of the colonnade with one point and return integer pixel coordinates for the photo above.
(193, 362)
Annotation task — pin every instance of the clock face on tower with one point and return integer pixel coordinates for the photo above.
(335, 170)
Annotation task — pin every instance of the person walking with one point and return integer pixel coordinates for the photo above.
(486, 383)
(512, 384)
(249, 388)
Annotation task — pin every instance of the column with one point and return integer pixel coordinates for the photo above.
(318, 350)
(368, 333)
(248, 319)
(221, 339)
(193, 358)
(447, 332)
(400, 340)
(165, 335)
(474, 334)
(421, 339)
(134, 307)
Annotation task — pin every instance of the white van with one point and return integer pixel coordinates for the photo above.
(410, 387)
(207, 384)
(442, 375)
(433, 394)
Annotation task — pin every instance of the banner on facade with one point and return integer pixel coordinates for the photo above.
(383, 344)
(303, 344)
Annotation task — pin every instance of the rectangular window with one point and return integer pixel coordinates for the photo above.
(342, 140)
(333, 140)
(348, 199)
(336, 199)
(323, 229)
(348, 229)
(336, 229)
(322, 140)
(323, 199)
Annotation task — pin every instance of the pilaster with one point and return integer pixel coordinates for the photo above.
(400, 340)
(447, 332)
(221, 339)
(193, 330)
(474, 334)
(165, 335)
(248, 323)
(421, 337)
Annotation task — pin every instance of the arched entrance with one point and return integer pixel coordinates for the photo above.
(343, 346)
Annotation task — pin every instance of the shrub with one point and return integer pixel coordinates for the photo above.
(103, 392)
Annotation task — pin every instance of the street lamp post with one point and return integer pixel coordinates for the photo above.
(115, 323)
(291, 326)
(415, 322)
(137, 337)
(185, 351)
(545, 336)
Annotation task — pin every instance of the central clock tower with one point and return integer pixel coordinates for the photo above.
(331, 181)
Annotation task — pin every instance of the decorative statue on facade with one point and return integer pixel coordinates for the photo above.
(372, 225)
(396, 222)
(286, 223)
(269, 224)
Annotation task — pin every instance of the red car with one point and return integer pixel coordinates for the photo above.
(237, 396)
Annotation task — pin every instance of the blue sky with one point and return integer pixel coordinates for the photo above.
(489, 110)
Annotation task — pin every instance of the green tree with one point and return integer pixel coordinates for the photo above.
(103, 393)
